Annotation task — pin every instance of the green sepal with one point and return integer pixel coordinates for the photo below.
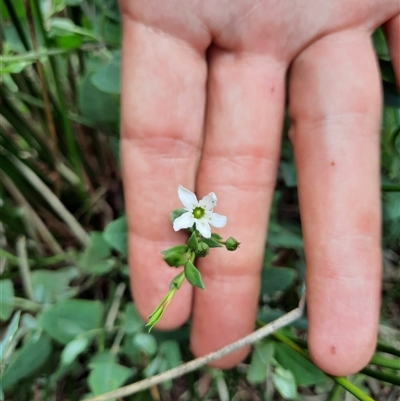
(178, 249)
(175, 259)
(193, 242)
(212, 243)
(193, 275)
(177, 281)
(215, 236)
(202, 250)
(176, 213)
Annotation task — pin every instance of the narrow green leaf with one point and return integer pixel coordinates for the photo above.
(193, 275)
(9, 334)
(6, 299)
(73, 349)
(174, 259)
(212, 243)
(178, 249)
(193, 242)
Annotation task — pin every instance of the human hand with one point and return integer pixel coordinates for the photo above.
(203, 94)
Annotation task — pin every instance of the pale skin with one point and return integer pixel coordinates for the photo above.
(203, 96)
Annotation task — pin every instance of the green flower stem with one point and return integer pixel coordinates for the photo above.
(383, 376)
(342, 381)
(51, 260)
(385, 362)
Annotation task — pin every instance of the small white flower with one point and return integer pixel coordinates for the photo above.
(199, 213)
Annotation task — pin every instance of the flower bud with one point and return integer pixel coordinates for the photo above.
(232, 244)
(202, 249)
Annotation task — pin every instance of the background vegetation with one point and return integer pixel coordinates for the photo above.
(69, 327)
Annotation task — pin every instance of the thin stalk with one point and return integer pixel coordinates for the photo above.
(383, 376)
(18, 26)
(113, 312)
(385, 362)
(335, 392)
(47, 107)
(52, 200)
(24, 268)
(51, 260)
(42, 229)
(73, 152)
(388, 349)
(26, 304)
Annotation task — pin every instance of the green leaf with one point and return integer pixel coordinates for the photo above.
(70, 318)
(107, 77)
(260, 361)
(9, 334)
(174, 259)
(146, 343)
(32, 355)
(99, 107)
(289, 175)
(73, 349)
(277, 279)
(193, 275)
(94, 258)
(53, 286)
(116, 235)
(193, 242)
(171, 352)
(176, 213)
(285, 383)
(304, 371)
(176, 249)
(107, 376)
(6, 299)
(391, 96)
(132, 321)
(282, 237)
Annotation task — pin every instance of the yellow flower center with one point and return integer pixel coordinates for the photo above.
(198, 212)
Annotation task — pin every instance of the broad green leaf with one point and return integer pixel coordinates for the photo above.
(99, 107)
(276, 279)
(70, 318)
(94, 258)
(153, 367)
(73, 349)
(107, 376)
(52, 286)
(107, 77)
(282, 237)
(193, 275)
(260, 361)
(31, 356)
(9, 334)
(6, 299)
(146, 343)
(132, 321)
(285, 383)
(116, 234)
(304, 371)
(171, 352)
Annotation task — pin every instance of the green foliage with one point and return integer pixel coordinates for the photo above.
(66, 326)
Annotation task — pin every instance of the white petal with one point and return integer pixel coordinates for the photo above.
(209, 201)
(187, 198)
(184, 221)
(216, 220)
(203, 227)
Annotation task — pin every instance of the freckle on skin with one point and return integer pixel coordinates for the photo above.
(272, 89)
(333, 163)
(333, 350)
